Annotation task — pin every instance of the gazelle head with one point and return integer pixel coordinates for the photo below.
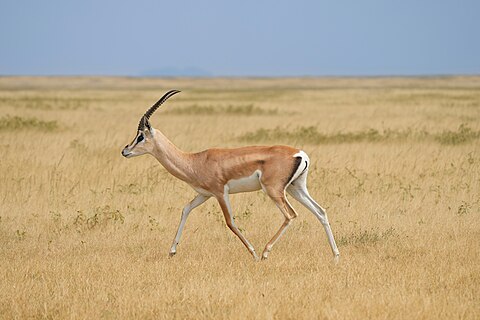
(143, 142)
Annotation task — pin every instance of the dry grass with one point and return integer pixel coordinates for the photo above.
(85, 233)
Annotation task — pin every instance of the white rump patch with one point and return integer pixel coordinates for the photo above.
(247, 184)
(303, 165)
(302, 154)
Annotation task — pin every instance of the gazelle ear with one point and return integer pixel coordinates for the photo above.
(149, 128)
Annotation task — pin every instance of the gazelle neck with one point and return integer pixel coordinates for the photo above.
(177, 162)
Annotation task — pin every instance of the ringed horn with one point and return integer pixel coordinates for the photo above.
(144, 120)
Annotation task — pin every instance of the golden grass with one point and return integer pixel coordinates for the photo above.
(85, 233)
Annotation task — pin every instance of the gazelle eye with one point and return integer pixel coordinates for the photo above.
(140, 138)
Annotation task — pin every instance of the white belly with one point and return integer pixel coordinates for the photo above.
(247, 184)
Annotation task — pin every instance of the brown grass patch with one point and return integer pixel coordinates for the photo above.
(85, 233)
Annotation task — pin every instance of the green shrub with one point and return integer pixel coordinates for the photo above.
(246, 110)
(19, 123)
(310, 135)
(462, 135)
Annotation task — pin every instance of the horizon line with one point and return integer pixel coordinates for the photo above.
(427, 75)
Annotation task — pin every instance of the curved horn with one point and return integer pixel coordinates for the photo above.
(144, 120)
(160, 102)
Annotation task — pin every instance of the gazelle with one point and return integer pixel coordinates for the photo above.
(220, 172)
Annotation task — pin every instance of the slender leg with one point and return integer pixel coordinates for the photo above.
(227, 212)
(198, 200)
(299, 191)
(289, 213)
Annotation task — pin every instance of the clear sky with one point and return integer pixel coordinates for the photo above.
(239, 38)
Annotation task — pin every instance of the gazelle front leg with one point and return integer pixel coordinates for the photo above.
(198, 200)
(227, 212)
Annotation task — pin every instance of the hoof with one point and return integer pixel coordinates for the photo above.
(336, 259)
(255, 257)
(172, 253)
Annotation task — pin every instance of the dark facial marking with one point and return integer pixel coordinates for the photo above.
(140, 138)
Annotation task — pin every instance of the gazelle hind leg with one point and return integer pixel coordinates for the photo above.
(289, 213)
(298, 190)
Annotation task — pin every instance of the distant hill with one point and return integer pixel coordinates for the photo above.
(176, 72)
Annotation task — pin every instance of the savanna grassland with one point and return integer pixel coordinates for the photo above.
(85, 233)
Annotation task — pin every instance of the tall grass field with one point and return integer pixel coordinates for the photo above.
(85, 233)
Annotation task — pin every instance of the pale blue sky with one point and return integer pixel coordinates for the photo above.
(239, 38)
